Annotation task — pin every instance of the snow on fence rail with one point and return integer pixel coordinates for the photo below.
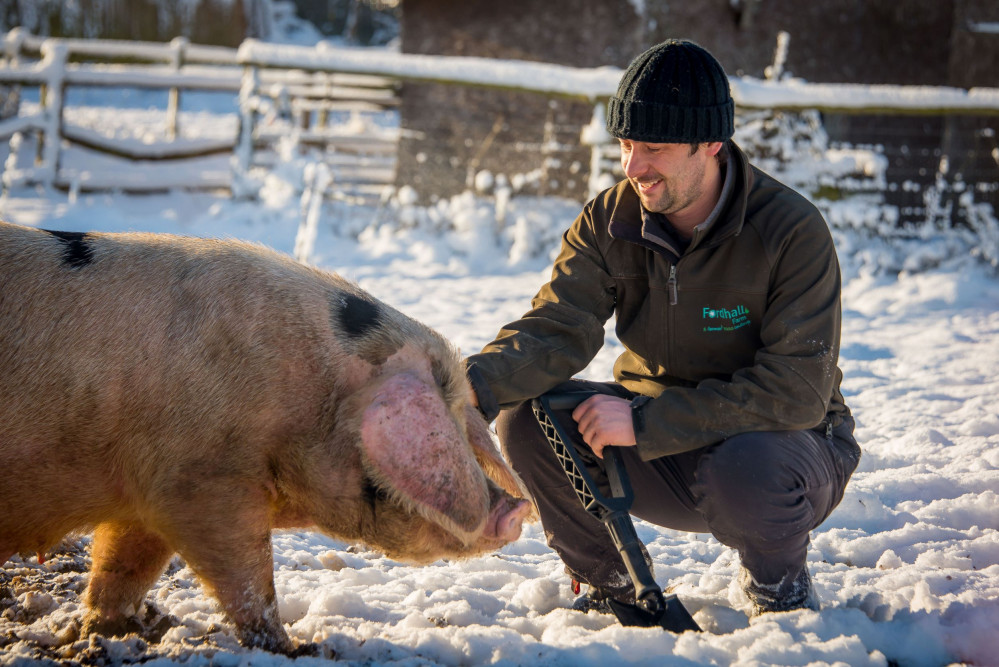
(306, 98)
(600, 83)
(316, 80)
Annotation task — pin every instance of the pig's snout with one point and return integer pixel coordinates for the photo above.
(506, 519)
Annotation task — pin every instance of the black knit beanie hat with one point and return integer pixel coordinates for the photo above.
(674, 93)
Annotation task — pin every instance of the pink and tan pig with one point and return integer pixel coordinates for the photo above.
(180, 395)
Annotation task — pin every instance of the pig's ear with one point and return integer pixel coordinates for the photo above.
(488, 456)
(414, 450)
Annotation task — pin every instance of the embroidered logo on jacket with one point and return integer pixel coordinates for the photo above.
(723, 319)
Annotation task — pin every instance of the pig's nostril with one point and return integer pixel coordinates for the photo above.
(510, 524)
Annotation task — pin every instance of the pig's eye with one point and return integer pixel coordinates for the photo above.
(440, 375)
(444, 377)
(373, 493)
(450, 380)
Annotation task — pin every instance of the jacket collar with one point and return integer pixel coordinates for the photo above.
(628, 223)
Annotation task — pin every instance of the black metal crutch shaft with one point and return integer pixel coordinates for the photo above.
(613, 511)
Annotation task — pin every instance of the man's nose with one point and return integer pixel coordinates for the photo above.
(633, 163)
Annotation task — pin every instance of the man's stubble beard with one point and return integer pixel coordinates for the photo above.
(669, 201)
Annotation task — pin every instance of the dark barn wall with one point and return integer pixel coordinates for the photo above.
(217, 22)
(458, 131)
(911, 42)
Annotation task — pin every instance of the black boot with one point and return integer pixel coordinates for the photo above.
(672, 616)
(789, 594)
(598, 598)
(593, 599)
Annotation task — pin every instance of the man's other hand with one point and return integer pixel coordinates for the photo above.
(605, 421)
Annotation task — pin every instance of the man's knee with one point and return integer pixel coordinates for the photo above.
(740, 466)
(769, 484)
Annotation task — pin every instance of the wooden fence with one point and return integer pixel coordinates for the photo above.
(307, 84)
(303, 100)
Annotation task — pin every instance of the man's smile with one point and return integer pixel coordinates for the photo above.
(647, 186)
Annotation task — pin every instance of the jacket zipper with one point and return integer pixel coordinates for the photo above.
(673, 296)
(670, 362)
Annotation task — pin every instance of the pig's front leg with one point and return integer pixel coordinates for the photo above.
(226, 539)
(127, 560)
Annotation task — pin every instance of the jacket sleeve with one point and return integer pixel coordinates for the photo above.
(558, 336)
(794, 373)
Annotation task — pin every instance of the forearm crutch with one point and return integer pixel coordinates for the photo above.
(651, 607)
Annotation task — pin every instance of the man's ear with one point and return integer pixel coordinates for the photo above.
(713, 147)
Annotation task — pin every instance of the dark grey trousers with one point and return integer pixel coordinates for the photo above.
(759, 493)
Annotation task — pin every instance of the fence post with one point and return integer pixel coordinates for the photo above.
(243, 158)
(43, 97)
(179, 46)
(595, 135)
(317, 179)
(323, 116)
(55, 55)
(12, 43)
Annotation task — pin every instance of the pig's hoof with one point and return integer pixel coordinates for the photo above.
(305, 650)
(150, 627)
(69, 634)
(155, 624)
(95, 625)
(267, 639)
(312, 650)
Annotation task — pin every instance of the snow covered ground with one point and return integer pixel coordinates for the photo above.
(907, 567)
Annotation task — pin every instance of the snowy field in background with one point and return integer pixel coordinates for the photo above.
(907, 567)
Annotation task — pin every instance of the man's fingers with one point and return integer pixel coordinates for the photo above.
(581, 410)
(605, 421)
(589, 420)
(587, 413)
(598, 449)
(584, 418)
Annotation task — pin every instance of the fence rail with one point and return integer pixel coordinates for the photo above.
(307, 84)
(303, 99)
(599, 84)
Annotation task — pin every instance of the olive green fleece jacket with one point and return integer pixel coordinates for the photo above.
(739, 332)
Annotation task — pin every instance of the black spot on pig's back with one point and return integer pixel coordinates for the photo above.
(355, 315)
(77, 251)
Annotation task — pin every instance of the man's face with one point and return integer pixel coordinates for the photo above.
(667, 177)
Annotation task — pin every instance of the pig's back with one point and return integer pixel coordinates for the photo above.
(129, 360)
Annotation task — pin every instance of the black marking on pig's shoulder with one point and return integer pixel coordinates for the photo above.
(356, 315)
(76, 251)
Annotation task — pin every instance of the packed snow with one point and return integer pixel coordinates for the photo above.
(907, 567)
